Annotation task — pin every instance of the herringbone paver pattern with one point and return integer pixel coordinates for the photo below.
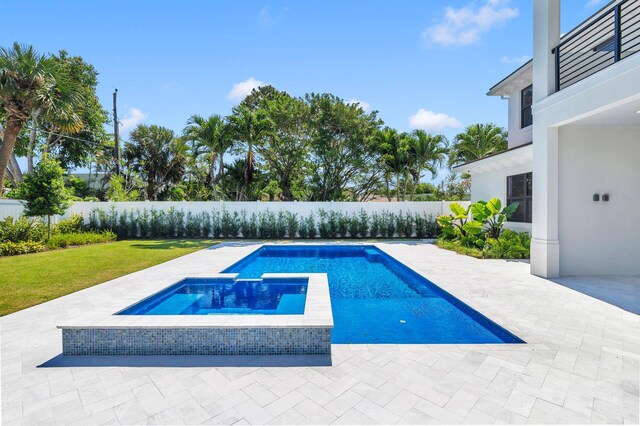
(580, 365)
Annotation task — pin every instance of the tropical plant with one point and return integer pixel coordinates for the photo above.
(249, 128)
(459, 225)
(75, 223)
(21, 229)
(510, 245)
(492, 215)
(211, 138)
(394, 148)
(32, 82)
(158, 157)
(10, 248)
(427, 152)
(476, 142)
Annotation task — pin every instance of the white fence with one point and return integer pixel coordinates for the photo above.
(303, 208)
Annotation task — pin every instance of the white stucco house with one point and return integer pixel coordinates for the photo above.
(573, 160)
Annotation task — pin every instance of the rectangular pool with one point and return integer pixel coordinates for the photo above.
(207, 296)
(375, 298)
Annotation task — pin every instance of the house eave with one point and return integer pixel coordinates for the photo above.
(519, 155)
(523, 76)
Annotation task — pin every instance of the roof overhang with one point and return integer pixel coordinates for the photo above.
(522, 77)
(519, 155)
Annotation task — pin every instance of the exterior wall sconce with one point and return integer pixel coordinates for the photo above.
(596, 197)
(605, 197)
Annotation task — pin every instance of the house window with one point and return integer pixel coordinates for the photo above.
(526, 99)
(520, 190)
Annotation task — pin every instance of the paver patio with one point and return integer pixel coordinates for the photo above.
(581, 363)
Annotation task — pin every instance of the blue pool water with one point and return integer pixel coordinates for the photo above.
(205, 296)
(376, 299)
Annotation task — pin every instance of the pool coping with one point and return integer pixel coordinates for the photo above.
(317, 312)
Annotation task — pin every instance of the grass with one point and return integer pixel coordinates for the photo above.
(31, 279)
(468, 251)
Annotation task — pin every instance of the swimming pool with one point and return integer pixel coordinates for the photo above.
(375, 298)
(209, 296)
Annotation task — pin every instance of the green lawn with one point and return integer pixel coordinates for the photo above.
(31, 279)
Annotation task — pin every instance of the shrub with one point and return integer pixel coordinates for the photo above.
(292, 224)
(192, 227)
(460, 249)
(510, 245)
(388, 225)
(354, 223)
(21, 230)
(404, 225)
(310, 225)
(75, 223)
(205, 220)
(363, 224)
(216, 227)
(143, 224)
(426, 226)
(323, 225)
(342, 224)
(10, 248)
(122, 229)
(376, 225)
(156, 223)
(79, 239)
(281, 225)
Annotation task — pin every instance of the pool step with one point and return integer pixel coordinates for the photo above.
(372, 255)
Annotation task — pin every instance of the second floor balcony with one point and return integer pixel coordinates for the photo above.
(611, 35)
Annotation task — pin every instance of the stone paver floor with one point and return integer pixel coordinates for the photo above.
(581, 362)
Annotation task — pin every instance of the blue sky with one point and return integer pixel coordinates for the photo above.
(420, 63)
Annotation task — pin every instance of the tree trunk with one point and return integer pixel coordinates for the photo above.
(413, 188)
(213, 175)
(397, 187)
(16, 168)
(48, 227)
(14, 124)
(386, 181)
(221, 176)
(32, 140)
(404, 189)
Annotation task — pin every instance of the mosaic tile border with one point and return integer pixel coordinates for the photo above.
(197, 341)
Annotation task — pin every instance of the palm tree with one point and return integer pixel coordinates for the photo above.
(249, 126)
(211, 135)
(31, 82)
(393, 147)
(476, 142)
(158, 157)
(429, 153)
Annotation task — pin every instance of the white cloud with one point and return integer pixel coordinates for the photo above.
(518, 60)
(465, 25)
(239, 91)
(364, 105)
(429, 120)
(264, 17)
(268, 18)
(132, 119)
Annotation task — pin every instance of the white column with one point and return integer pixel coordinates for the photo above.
(545, 247)
(546, 35)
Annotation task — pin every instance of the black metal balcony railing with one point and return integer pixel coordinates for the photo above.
(610, 37)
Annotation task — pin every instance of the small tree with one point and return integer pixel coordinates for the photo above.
(44, 191)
